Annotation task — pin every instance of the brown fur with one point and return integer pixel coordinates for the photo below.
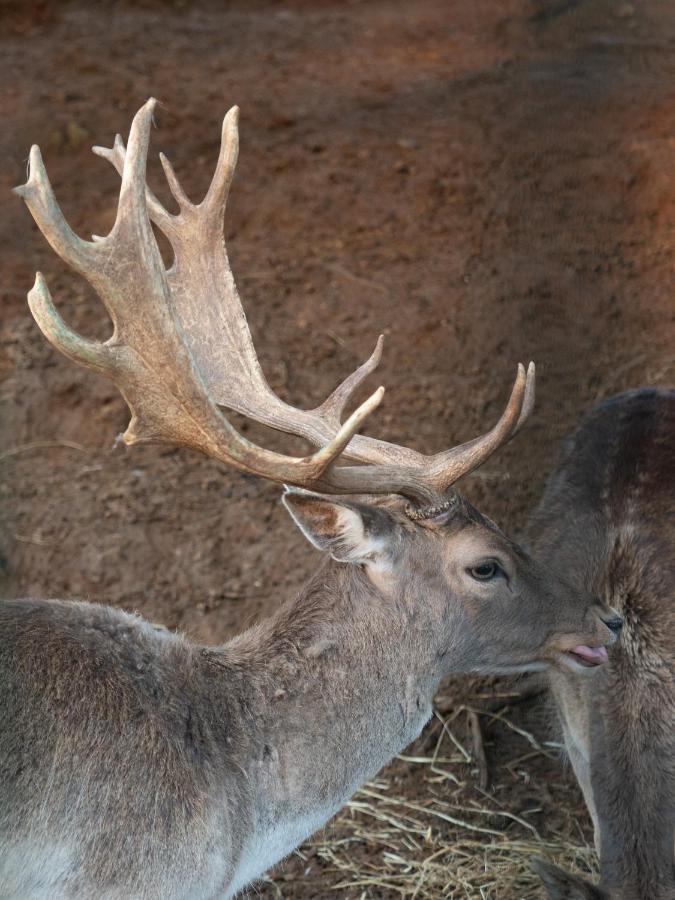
(607, 520)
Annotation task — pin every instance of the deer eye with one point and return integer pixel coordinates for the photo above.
(486, 571)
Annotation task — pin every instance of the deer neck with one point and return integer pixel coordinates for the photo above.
(337, 683)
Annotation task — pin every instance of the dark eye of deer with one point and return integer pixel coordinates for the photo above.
(485, 571)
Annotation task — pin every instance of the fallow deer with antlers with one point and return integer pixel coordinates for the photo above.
(135, 763)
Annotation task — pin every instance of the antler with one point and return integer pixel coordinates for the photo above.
(181, 347)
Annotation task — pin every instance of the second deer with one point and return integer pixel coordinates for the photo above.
(138, 764)
(607, 519)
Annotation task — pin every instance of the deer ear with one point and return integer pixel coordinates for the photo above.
(562, 885)
(351, 532)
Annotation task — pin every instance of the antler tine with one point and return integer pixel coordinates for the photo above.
(92, 354)
(39, 198)
(115, 155)
(334, 406)
(528, 401)
(175, 186)
(132, 210)
(449, 466)
(216, 196)
(328, 454)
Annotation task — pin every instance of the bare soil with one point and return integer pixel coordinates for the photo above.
(484, 182)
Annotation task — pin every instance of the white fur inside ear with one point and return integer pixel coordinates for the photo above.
(336, 528)
(351, 537)
(351, 531)
(353, 545)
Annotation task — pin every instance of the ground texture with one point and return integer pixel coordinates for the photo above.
(484, 182)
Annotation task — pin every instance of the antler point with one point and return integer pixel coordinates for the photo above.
(39, 283)
(35, 156)
(35, 167)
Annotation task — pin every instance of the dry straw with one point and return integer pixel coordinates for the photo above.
(432, 832)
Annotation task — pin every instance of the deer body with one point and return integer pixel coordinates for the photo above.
(607, 519)
(144, 767)
(134, 764)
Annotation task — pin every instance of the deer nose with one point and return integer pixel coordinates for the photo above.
(614, 623)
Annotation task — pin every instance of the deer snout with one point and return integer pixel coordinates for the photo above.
(611, 620)
(614, 622)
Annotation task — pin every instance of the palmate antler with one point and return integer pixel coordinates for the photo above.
(181, 347)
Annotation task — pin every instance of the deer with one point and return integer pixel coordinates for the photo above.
(137, 763)
(606, 518)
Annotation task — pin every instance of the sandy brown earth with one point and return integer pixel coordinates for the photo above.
(485, 182)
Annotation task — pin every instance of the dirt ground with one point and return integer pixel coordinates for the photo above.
(484, 182)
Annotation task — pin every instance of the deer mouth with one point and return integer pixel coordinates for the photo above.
(588, 656)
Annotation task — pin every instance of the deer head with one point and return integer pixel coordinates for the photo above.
(481, 604)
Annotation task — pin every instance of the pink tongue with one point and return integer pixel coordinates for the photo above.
(596, 655)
